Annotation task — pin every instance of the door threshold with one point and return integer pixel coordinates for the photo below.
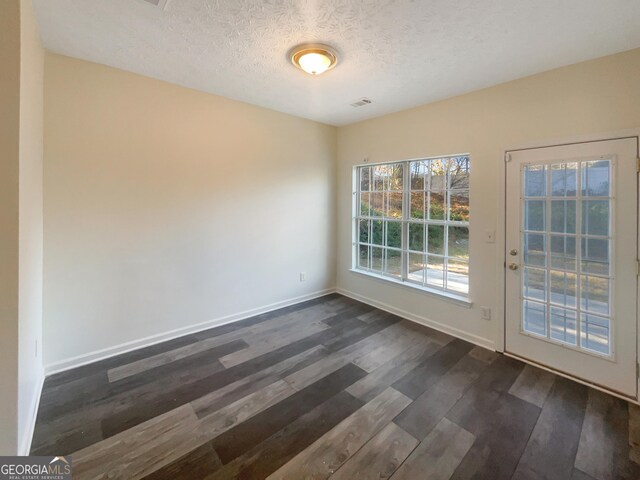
(614, 393)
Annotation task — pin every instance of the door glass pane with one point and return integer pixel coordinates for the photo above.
(563, 253)
(594, 333)
(595, 217)
(594, 292)
(564, 180)
(563, 216)
(563, 288)
(535, 249)
(563, 325)
(534, 317)
(596, 181)
(534, 215)
(535, 284)
(595, 256)
(535, 181)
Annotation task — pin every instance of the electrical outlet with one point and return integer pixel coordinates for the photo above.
(486, 313)
(303, 277)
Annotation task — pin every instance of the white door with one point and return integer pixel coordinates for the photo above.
(571, 250)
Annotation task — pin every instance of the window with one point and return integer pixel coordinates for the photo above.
(412, 222)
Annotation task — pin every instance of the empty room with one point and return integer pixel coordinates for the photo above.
(319, 239)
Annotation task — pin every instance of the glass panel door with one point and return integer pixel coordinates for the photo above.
(571, 249)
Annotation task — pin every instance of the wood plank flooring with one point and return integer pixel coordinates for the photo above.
(331, 388)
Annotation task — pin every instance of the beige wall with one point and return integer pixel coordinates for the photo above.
(143, 239)
(31, 223)
(166, 208)
(9, 171)
(593, 97)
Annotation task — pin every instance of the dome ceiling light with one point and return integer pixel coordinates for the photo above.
(314, 58)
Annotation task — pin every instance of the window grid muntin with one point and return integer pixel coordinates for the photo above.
(579, 197)
(449, 262)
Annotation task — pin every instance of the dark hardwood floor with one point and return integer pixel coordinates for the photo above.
(331, 388)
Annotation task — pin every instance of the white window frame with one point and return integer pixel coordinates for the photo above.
(403, 279)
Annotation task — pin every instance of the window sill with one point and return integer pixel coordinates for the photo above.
(439, 294)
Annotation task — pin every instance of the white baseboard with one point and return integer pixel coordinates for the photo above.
(97, 355)
(25, 445)
(455, 332)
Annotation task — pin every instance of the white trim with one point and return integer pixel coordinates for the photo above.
(583, 138)
(501, 231)
(108, 352)
(413, 159)
(447, 296)
(455, 332)
(27, 437)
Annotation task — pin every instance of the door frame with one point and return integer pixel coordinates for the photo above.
(501, 259)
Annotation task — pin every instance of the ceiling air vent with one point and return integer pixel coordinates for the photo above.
(162, 4)
(361, 102)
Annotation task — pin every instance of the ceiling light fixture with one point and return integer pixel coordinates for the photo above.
(314, 58)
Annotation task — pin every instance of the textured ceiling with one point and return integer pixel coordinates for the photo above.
(399, 53)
